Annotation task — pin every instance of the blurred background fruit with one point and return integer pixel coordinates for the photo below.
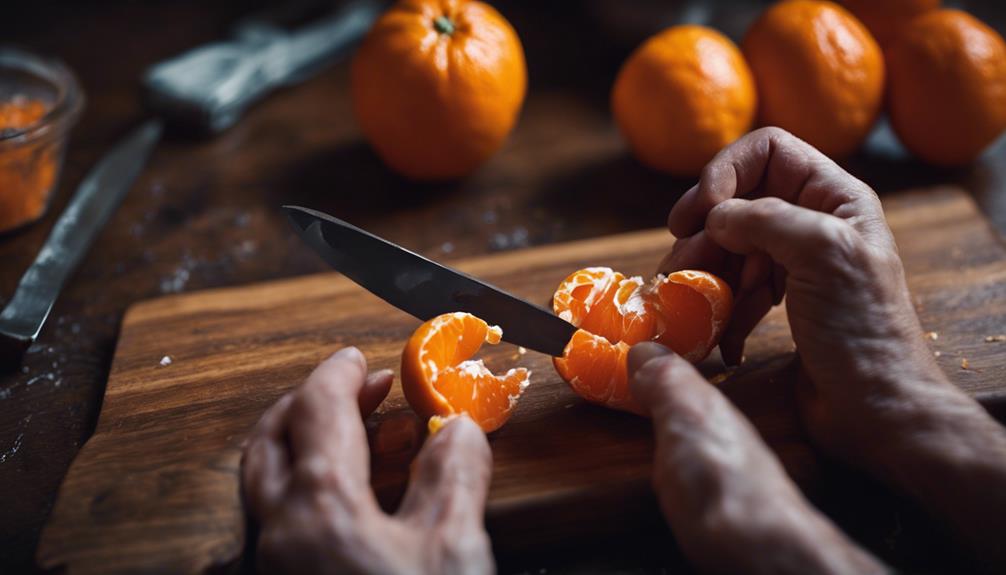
(884, 18)
(437, 86)
(820, 74)
(947, 86)
(681, 97)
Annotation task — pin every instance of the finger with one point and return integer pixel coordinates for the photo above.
(724, 494)
(375, 389)
(772, 162)
(450, 479)
(702, 441)
(798, 239)
(327, 438)
(748, 312)
(265, 470)
(695, 252)
(778, 283)
(740, 169)
(733, 265)
(756, 272)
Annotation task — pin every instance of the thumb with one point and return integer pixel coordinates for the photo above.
(659, 379)
(725, 495)
(450, 479)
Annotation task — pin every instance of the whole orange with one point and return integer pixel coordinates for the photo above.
(820, 73)
(437, 85)
(885, 18)
(681, 97)
(947, 86)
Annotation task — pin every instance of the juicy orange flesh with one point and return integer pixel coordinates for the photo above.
(685, 311)
(463, 385)
(689, 319)
(606, 303)
(595, 368)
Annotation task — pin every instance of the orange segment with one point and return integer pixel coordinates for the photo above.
(606, 303)
(695, 307)
(595, 369)
(439, 378)
(687, 311)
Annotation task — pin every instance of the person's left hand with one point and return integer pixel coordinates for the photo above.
(306, 479)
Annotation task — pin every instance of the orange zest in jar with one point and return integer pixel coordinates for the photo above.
(27, 173)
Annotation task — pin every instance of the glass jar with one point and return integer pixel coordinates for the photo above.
(40, 101)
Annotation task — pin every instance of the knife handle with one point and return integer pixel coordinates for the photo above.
(209, 88)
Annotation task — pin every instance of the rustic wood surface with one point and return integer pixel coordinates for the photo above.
(204, 215)
(158, 482)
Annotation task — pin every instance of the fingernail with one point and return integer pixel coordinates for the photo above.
(383, 373)
(733, 355)
(644, 352)
(350, 354)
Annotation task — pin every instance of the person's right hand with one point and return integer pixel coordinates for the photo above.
(776, 217)
(793, 222)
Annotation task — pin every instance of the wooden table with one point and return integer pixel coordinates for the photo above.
(204, 214)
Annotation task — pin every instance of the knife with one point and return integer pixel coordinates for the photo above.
(421, 286)
(99, 193)
(208, 88)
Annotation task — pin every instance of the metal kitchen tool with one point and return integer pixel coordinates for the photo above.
(208, 88)
(424, 288)
(96, 198)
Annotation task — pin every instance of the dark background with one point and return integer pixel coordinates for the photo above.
(204, 214)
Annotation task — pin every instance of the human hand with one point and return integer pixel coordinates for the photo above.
(781, 218)
(728, 500)
(775, 216)
(306, 480)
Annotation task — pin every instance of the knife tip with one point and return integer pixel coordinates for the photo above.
(299, 216)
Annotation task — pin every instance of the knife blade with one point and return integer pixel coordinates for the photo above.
(423, 287)
(96, 198)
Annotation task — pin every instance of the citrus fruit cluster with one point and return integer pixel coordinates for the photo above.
(437, 85)
(687, 311)
(821, 71)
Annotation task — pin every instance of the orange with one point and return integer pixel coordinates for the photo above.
(885, 18)
(439, 378)
(686, 311)
(947, 87)
(437, 85)
(681, 97)
(820, 73)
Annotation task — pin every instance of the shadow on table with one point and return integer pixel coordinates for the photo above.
(614, 195)
(350, 181)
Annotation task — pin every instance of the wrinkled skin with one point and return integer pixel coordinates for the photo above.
(306, 480)
(775, 217)
(778, 217)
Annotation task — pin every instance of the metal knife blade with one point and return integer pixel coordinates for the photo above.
(421, 286)
(97, 196)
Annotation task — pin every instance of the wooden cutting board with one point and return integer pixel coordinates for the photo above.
(156, 488)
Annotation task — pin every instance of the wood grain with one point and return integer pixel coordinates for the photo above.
(156, 487)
